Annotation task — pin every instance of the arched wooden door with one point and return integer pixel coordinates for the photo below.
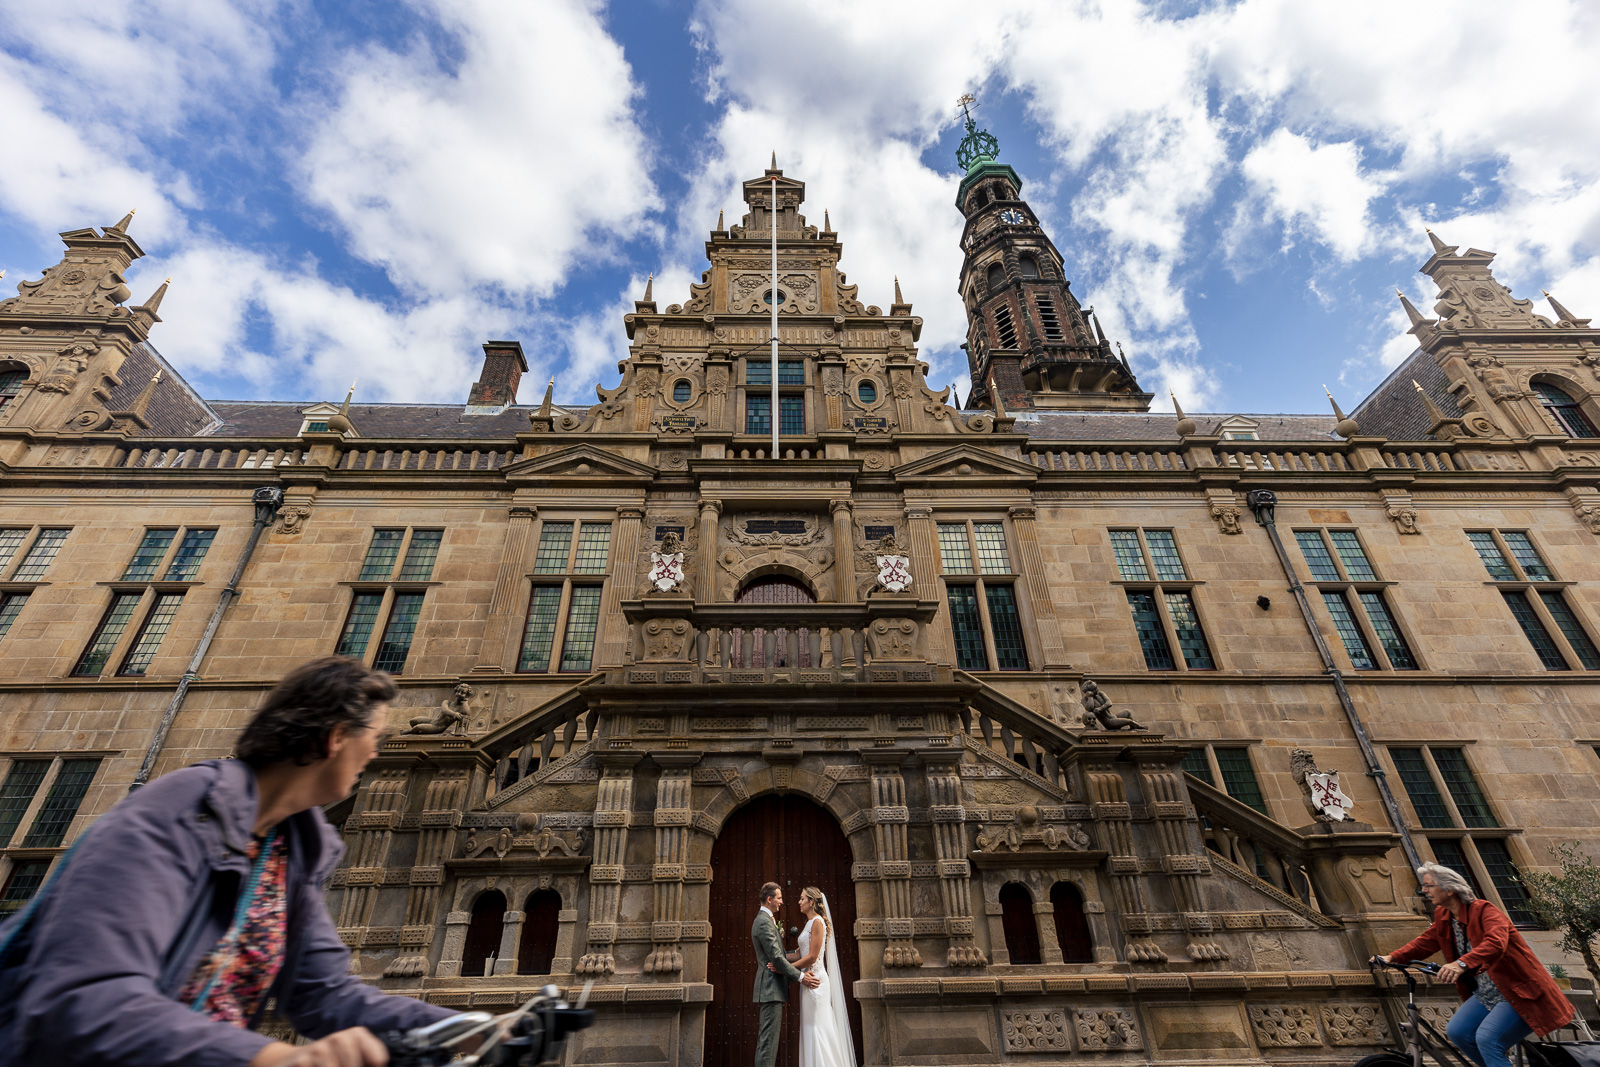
(792, 841)
(774, 589)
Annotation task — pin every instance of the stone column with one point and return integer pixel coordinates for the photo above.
(497, 650)
(672, 815)
(566, 934)
(616, 635)
(706, 559)
(375, 822)
(1039, 599)
(612, 812)
(1109, 802)
(510, 939)
(889, 818)
(925, 579)
(844, 552)
(1044, 919)
(950, 844)
(441, 815)
(1181, 858)
(455, 944)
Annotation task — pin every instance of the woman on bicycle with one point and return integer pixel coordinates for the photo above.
(1506, 992)
(197, 900)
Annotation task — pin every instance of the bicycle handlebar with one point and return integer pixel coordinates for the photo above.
(1429, 969)
(532, 1035)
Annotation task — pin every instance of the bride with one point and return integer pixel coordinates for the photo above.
(824, 1026)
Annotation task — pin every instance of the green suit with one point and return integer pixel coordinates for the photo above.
(772, 989)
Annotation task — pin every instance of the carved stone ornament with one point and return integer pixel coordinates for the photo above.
(1326, 801)
(1024, 831)
(1227, 517)
(1586, 506)
(292, 518)
(666, 568)
(664, 638)
(1355, 1024)
(1107, 1030)
(1405, 518)
(1036, 1031)
(894, 571)
(448, 716)
(1491, 372)
(1284, 1025)
(893, 639)
(1097, 713)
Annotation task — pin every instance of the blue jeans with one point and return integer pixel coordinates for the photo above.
(1486, 1036)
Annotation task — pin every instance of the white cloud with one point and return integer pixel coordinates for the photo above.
(502, 167)
(1318, 189)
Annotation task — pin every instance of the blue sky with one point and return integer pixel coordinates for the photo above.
(370, 190)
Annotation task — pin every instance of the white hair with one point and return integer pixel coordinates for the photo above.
(1449, 881)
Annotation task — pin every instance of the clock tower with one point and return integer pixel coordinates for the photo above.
(1027, 337)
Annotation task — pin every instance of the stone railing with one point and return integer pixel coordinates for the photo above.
(1248, 839)
(552, 732)
(1421, 457)
(1107, 458)
(1321, 457)
(212, 455)
(844, 640)
(390, 456)
(1015, 732)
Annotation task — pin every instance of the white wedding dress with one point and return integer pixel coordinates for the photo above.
(825, 1039)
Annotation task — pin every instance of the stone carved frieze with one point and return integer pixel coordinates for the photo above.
(1355, 1024)
(1107, 1030)
(1284, 1026)
(1036, 1031)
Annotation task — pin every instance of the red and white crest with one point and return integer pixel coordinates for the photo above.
(894, 572)
(666, 570)
(1327, 797)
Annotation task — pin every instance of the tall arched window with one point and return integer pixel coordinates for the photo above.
(483, 934)
(773, 589)
(11, 379)
(1029, 266)
(1565, 410)
(996, 276)
(1072, 928)
(1016, 916)
(540, 924)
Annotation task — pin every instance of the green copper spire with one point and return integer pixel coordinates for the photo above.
(978, 146)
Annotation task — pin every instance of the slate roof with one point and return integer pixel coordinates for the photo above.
(1162, 426)
(175, 409)
(273, 418)
(1394, 410)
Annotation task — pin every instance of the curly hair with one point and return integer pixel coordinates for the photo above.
(301, 712)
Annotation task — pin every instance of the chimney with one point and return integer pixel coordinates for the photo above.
(496, 388)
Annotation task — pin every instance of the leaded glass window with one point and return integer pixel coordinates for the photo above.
(555, 542)
(40, 555)
(1191, 638)
(594, 545)
(539, 636)
(1164, 555)
(10, 540)
(1493, 559)
(1009, 649)
(791, 414)
(757, 414)
(1419, 786)
(583, 618)
(61, 803)
(1194, 761)
(11, 605)
(1239, 777)
(1463, 788)
(1527, 557)
(396, 643)
(1570, 628)
(992, 555)
(954, 549)
(147, 557)
(1152, 637)
(107, 634)
(1389, 635)
(381, 554)
(1351, 554)
(421, 554)
(1544, 646)
(17, 792)
(1496, 858)
(1344, 622)
(1130, 560)
(968, 628)
(186, 561)
(26, 878)
(358, 625)
(1318, 560)
(155, 627)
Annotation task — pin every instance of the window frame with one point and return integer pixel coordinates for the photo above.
(13, 852)
(388, 589)
(1567, 415)
(152, 591)
(787, 391)
(979, 580)
(1159, 588)
(1458, 831)
(566, 581)
(1353, 590)
(1534, 591)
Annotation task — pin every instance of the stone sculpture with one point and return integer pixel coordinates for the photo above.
(1097, 711)
(447, 716)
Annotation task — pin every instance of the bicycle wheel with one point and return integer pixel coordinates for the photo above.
(1384, 1059)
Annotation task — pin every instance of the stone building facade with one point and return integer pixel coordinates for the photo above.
(646, 665)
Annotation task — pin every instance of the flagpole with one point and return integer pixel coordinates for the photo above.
(773, 218)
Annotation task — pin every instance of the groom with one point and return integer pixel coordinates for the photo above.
(772, 986)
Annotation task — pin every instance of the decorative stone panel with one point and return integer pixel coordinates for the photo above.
(1355, 1024)
(1035, 1031)
(1107, 1030)
(1284, 1026)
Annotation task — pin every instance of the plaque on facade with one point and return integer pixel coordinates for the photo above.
(775, 526)
(678, 422)
(877, 533)
(872, 423)
(662, 531)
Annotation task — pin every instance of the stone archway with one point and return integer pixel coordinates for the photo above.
(795, 842)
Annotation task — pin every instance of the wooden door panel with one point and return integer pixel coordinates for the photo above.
(794, 842)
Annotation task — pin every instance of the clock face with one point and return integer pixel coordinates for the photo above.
(1012, 217)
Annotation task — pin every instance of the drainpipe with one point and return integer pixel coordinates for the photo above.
(1262, 502)
(267, 500)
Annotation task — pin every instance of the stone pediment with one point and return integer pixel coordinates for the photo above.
(580, 464)
(967, 465)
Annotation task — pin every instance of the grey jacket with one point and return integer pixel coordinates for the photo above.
(764, 937)
(150, 891)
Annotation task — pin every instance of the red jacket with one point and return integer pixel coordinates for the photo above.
(1498, 948)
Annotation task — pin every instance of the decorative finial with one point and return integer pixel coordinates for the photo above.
(1562, 314)
(827, 226)
(1416, 317)
(978, 146)
(122, 227)
(1434, 413)
(1346, 426)
(898, 299)
(339, 422)
(649, 284)
(774, 159)
(155, 298)
(720, 226)
(1186, 425)
(549, 398)
(1438, 245)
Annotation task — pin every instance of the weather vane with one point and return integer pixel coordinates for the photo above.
(966, 103)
